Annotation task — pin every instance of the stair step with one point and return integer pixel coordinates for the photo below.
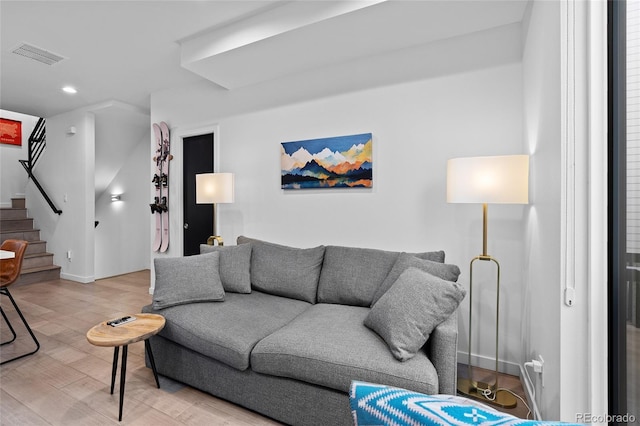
(40, 274)
(37, 265)
(12, 213)
(36, 247)
(26, 234)
(37, 260)
(18, 203)
(16, 224)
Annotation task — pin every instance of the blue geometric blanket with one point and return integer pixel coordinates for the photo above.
(373, 405)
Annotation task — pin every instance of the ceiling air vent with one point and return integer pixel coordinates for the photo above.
(37, 54)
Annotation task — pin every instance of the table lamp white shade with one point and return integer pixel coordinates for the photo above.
(214, 188)
(488, 180)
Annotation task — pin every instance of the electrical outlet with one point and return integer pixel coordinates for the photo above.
(538, 367)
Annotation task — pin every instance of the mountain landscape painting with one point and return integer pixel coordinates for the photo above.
(337, 162)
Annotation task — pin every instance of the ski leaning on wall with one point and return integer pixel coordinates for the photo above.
(160, 205)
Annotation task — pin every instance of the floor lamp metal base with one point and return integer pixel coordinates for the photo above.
(473, 390)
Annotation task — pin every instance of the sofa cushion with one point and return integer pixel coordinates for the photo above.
(227, 332)
(235, 263)
(189, 279)
(434, 256)
(328, 345)
(285, 271)
(408, 312)
(351, 276)
(406, 261)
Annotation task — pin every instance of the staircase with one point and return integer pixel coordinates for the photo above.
(37, 265)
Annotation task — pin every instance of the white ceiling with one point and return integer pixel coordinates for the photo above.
(125, 50)
(270, 46)
(116, 50)
(119, 52)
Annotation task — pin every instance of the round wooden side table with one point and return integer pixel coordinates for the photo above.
(145, 326)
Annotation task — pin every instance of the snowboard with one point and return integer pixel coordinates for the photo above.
(155, 206)
(164, 179)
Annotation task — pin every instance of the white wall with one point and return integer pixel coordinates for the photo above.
(67, 169)
(122, 237)
(541, 308)
(557, 232)
(14, 177)
(416, 127)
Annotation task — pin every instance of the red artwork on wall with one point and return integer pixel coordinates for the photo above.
(10, 132)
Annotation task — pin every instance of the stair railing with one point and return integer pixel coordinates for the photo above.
(37, 143)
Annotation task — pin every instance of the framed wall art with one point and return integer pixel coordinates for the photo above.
(10, 132)
(335, 162)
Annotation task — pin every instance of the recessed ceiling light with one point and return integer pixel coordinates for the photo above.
(70, 90)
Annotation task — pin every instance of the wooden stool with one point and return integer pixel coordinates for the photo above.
(145, 326)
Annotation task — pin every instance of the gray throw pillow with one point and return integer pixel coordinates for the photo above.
(190, 279)
(408, 312)
(283, 270)
(235, 264)
(405, 260)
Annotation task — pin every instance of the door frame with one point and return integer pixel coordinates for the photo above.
(177, 219)
(617, 156)
(583, 375)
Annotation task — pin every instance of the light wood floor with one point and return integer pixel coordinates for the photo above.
(67, 382)
(505, 381)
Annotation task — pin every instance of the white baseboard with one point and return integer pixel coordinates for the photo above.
(77, 278)
(490, 363)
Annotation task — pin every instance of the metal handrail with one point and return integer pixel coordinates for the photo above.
(37, 143)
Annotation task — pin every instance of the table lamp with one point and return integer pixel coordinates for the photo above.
(214, 188)
(487, 180)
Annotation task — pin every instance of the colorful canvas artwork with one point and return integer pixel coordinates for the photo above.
(337, 162)
(10, 132)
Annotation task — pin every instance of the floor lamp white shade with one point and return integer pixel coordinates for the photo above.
(491, 180)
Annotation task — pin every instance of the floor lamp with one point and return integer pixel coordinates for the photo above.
(214, 188)
(487, 180)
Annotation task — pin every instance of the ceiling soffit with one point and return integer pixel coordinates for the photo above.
(298, 37)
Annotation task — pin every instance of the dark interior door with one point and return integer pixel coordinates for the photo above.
(198, 218)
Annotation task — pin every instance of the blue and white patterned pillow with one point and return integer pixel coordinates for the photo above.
(373, 405)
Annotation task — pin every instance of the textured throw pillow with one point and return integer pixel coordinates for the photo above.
(235, 263)
(285, 271)
(406, 261)
(374, 404)
(190, 279)
(408, 312)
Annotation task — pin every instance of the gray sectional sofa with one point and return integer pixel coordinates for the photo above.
(283, 331)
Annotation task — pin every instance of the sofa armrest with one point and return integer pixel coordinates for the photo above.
(442, 349)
